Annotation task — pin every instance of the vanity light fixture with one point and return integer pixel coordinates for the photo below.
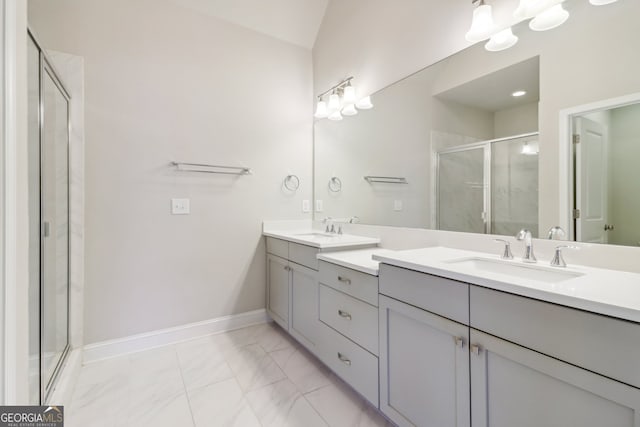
(343, 101)
(530, 149)
(519, 93)
(482, 23)
(501, 41)
(528, 9)
(549, 19)
(601, 2)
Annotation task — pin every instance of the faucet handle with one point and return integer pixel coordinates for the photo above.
(507, 249)
(558, 259)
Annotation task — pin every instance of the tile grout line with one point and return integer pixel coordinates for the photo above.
(184, 384)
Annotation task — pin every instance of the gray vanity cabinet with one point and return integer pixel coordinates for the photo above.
(292, 289)
(424, 367)
(514, 386)
(278, 289)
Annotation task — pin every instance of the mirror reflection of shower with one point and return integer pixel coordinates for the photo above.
(488, 187)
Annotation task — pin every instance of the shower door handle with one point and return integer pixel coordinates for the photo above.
(46, 229)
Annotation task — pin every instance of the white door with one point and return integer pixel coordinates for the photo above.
(304, 305)
(591, 181)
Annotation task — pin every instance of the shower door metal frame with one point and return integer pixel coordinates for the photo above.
(46, 66)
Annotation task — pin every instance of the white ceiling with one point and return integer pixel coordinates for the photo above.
(493, 91)
(294, 21)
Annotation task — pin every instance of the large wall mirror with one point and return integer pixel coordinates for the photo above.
(474, 143)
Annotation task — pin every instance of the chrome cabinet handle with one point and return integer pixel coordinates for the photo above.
(287, 268)
(459, 341)
(344, 359)
(475, 349)
(609, 227)
(344, 280)
(344, 314)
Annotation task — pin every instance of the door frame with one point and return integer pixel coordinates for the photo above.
(566, 169)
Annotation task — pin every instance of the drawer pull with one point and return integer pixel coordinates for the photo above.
(344, 314)
(344, 280)
(344, 359)
(287, 268)
(459, 342)
(476, 349)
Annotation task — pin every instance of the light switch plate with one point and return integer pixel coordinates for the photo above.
(180, 207)
(306, 206)
(319, 205)
(397, 205)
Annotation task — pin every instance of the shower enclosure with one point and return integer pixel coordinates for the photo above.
(49, 223)
(488, 187)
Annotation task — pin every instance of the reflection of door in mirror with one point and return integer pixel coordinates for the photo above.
(606, 176)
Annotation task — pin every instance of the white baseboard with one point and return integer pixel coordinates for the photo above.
(149, 340)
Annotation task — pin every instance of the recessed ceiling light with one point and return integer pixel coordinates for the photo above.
(519, 93)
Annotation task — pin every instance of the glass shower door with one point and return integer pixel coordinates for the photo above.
(462, 187)
(54, 199)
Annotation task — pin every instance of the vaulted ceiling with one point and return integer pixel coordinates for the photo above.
(294, 21)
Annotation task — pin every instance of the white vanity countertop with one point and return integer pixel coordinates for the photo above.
(360, 260)
(322, 240)
(609, 292)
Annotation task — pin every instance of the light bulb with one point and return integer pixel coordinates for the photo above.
(549, 19)
(501, 41)
(530, 149)
(481, 25)
(349, 110)
(321, 110)
(334, 103)
(349, 96)
(527, 9)
(601, 2)
(335, 116)
(365, 103)
(519, 93)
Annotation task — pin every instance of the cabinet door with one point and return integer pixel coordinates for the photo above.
(304, 305)
(278, 290)
(515, 386)
(424, 367)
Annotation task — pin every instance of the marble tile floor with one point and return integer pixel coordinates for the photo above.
(255, 376)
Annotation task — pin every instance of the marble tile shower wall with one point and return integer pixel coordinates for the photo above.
(256, 376)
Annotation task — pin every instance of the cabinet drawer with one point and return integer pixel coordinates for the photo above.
(278, 247)
(352, 363)
(303, 255)
(360, 285)
(351, 317)
(438, 295)
(598, 343)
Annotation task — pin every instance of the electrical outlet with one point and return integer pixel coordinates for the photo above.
(319, 206)
(306, 206)
(397, 205)
(180, 207)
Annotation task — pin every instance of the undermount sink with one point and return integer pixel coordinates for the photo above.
(315, 235)
(522, 271)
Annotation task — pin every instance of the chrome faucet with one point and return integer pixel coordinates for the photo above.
(506, 254)
(558, 260)
(354, 219)
(525, 235)
(329, 225)
(556, 233)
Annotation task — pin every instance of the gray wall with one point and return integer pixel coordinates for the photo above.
(164, 83)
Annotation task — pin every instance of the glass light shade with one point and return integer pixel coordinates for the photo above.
(334, 104)
(601, 2)
(335, 116)
(549, 19)
(527, 9)
(349, 110)
(365, 103)
(321, 110)
(501, 41)
(349, 96)
(482, 24)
